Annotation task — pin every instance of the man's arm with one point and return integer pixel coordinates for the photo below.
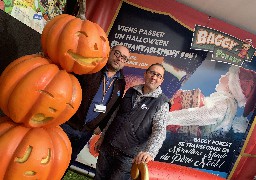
(109, 122)
(157, 137)
(100, 140)
(158, 131)
(112, 113)
(212, 112)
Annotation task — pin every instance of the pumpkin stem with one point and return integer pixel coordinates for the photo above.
(82, 9)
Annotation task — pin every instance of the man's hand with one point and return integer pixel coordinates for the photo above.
(98, 144)
(142, 157)
(97, 131)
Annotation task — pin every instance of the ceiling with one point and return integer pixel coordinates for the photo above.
(240, 13)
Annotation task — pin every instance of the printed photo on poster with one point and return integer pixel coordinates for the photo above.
(207, 122)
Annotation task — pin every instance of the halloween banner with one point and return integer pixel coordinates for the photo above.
(34, 13)
(225, 48)
(155, 38)
(206, 127)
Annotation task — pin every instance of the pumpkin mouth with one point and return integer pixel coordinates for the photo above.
(30, 173)
(85, 60)
(40, 118)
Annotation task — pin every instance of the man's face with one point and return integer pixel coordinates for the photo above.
(154, 77)
(118, 57)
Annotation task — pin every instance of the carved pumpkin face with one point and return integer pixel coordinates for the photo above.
(32, 153)
(78, 46)
(36, 93)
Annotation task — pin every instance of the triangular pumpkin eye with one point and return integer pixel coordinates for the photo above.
(96, 47)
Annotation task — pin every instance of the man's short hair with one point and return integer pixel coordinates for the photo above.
(120, 45)
(155, 64)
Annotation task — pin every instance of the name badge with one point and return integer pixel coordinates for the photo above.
(100, 108)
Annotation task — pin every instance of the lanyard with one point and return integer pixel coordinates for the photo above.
(104, 87)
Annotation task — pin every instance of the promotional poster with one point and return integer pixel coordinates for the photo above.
(206, 127)
(209, 79)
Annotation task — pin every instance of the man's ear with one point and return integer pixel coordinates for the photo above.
(162, 80)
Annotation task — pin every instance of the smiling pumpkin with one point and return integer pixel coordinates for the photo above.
(37, 93)
(78, 46)
(32, 153)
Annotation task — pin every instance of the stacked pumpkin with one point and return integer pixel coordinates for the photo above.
(38, 93)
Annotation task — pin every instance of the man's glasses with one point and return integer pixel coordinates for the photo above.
(153, 73)
(118, 55)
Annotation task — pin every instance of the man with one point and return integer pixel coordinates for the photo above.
(101, 93)
(137, 131)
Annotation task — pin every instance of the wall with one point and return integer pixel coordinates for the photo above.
(16, 40)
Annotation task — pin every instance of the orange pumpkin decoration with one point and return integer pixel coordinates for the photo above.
(79, 46)
(32, 153)
(92, 143)
(35, 92)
